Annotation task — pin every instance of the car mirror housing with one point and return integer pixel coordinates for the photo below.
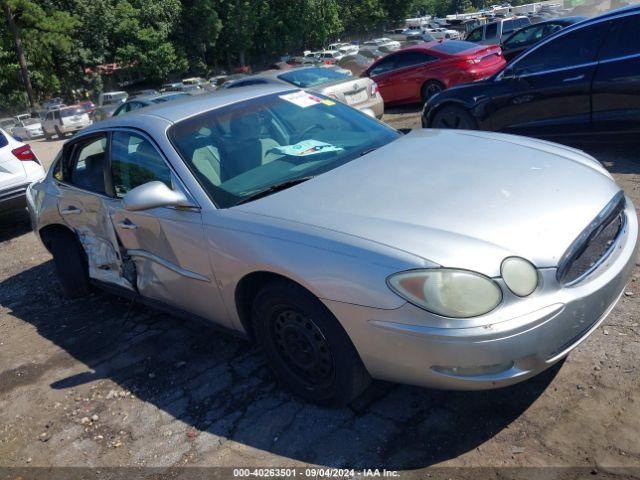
(508, 74)
(153, 195)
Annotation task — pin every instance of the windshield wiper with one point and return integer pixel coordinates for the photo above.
(368, 150)
(273, 189)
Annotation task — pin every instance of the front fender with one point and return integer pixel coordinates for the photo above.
(331, 265)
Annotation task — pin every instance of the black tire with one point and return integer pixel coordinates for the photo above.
(453, 116)
(70, 261)
(429, 89)
(47, 136)
(59, 133)
(307, 348)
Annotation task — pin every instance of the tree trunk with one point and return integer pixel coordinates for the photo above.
(21, 60)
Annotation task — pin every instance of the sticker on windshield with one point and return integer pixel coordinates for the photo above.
(301, 99)
(306, 147)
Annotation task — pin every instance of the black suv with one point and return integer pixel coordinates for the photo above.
(583, 79)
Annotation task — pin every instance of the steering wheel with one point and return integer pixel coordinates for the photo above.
(307, 130)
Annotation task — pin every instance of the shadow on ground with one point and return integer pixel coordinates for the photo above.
(13, 224)
(225, 388)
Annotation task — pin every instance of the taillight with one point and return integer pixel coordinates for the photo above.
(25, 154)
(374, 89)
(473, 61)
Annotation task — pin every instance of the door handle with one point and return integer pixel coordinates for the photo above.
(574, 79)
(127, 224)
(70, 210)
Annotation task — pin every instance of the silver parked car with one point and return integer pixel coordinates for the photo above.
(360, 93)
(347, 250)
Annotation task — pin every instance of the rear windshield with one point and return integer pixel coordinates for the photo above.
(453, 47)
(70, 112)
(311, 77)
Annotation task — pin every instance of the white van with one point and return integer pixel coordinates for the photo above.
(492, 33)
(67, 120)
(109, 98)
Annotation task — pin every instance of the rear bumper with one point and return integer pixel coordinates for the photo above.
(374, 106)
(400, 345)
(73, 128)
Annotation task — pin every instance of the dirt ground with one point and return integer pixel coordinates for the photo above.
(102, 382)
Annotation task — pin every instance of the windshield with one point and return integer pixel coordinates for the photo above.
(30, 121)
(70, 112)
(311, 77)
(244, 148)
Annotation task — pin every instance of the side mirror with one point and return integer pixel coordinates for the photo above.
(152, 195)
(508, 74)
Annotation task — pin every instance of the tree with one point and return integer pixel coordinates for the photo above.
(197, 34)
(20, 53)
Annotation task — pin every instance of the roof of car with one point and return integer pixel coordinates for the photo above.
(429, 47)
(180, 109)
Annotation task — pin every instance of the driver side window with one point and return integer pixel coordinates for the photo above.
(135, 161)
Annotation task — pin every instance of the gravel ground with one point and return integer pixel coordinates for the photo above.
(101, 382)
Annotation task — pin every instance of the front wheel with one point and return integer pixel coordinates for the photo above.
(307, 348)
(453, 116)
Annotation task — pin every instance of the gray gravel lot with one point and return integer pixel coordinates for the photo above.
(101, 382)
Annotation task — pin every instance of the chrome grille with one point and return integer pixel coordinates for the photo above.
(594, 244)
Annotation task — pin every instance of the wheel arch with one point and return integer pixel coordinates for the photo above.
(247, 289)
(49, 232)
(447, 103)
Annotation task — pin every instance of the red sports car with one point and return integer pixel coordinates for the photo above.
(414, 74)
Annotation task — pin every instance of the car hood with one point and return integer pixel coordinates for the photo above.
(456, 198)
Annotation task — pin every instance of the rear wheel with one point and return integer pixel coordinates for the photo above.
(70, 261)
(59, 133)
(453, 116)
(46, 135)
(307, 348)
(429, 89)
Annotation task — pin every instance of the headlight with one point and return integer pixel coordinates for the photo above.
(519, 275)
(448, 292)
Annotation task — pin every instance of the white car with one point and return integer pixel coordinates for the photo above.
(67, 120)
(28, 128)
(377, 43)
(344, 48)
(19, 167)
(442, 33)
(330, 56)
(8, 124)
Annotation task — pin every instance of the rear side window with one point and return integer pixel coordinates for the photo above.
(508, 26)
(623, 38)
(410, 59)
(572, 49)
(87, 165)
(491, 31)
(475, 35)
(385, 65)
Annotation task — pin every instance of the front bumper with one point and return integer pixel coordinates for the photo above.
(518, 340)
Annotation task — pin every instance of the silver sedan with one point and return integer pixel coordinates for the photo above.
(346, 250)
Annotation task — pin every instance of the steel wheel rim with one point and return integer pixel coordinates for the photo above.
(302, 347)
